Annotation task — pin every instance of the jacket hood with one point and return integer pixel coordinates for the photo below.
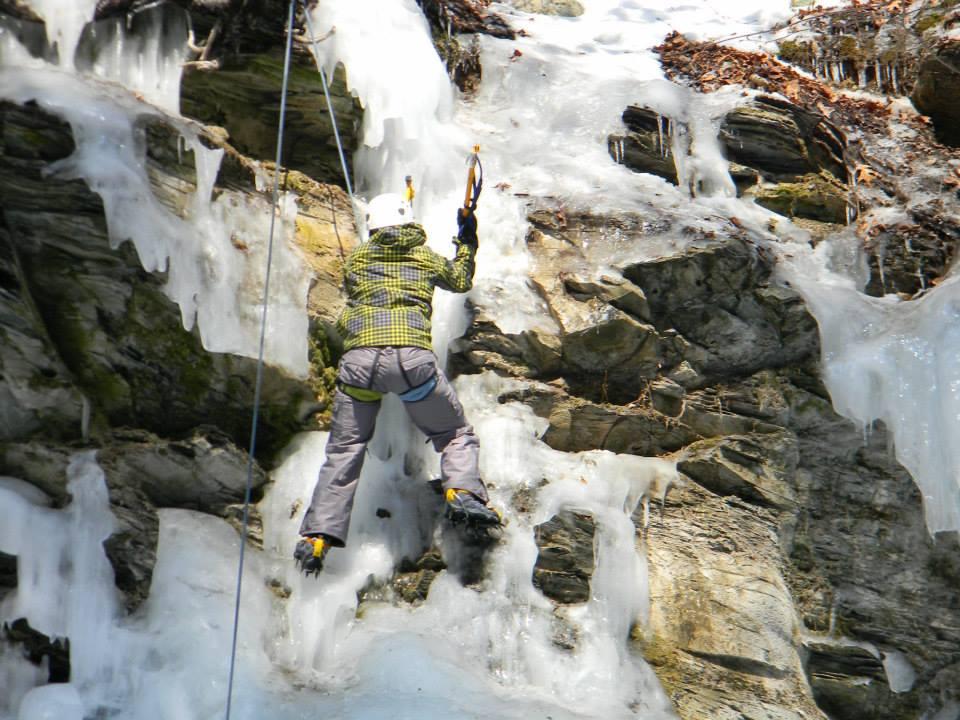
(400, 236)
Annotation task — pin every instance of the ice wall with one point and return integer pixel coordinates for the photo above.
(214, 252)
(897, 362)
(65, 583)
(483, 651)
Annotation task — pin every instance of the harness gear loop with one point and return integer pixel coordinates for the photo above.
(414, 394)
(361, 394)
(418, 393)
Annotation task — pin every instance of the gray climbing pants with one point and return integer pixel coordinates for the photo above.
(438, 415)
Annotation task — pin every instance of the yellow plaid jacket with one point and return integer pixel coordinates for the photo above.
(390, 282)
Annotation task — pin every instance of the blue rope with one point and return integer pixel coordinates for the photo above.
(266, 295)
(326, 94)
(263, 333)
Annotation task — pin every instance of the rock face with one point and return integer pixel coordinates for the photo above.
(647, 146)
(937, 88)
(722, 630)
(53, 653)
(563, 8)
(902, 218)
(238, 65)
(112, 333)
(887, 47)
(791, 575)
(783, 141)
(790, 159)
(465, 16)
(8, 573)
(764, 566)
(95, 353)
(565, 563)
(697, 314)
(224, 97)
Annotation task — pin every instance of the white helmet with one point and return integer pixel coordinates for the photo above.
(386, 210)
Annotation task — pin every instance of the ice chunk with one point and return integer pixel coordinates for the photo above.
(51, 702)
(31, 493)
(900, 673)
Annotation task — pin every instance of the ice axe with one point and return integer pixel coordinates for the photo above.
(474, 182)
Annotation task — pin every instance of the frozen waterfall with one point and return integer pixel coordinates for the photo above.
(478, 652)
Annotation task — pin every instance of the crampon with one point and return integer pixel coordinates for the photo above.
(309, 554)
(478, 521)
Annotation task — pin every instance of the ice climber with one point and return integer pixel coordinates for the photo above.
(387, 349)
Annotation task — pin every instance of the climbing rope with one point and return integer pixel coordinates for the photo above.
(258, 386)
(326, 94)
(263, 333)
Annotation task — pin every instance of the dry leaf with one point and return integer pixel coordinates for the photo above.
(865, 175)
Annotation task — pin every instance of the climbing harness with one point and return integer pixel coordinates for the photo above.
(414, 394)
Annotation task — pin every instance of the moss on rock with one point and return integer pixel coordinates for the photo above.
(816, 197)
(793, 51)
(244, 98)
(928, 21)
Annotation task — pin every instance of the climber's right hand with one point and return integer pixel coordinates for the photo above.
(467, 224)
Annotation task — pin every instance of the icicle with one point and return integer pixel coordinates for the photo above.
(150, 62)
(660, 144)
(85, 418)
(881, 253)
(852, 195)
(680, 147)
(64, 21)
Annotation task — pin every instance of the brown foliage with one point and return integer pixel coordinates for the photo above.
(709, 66)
